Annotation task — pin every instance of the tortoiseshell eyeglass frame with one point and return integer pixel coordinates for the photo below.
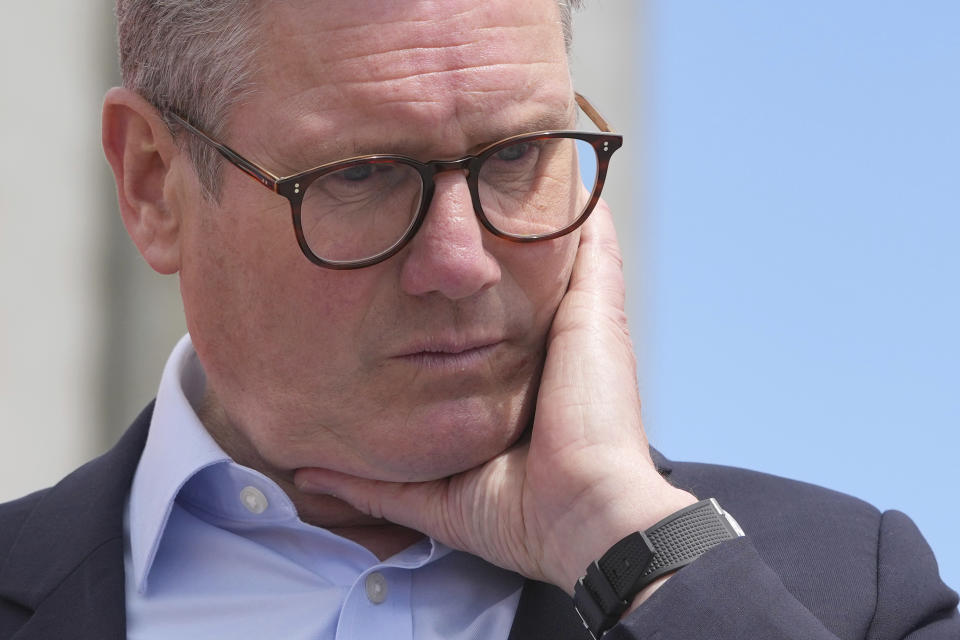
(293, 187)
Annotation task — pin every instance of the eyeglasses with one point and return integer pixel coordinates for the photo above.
(357, 212)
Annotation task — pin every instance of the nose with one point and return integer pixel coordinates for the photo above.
(447, 256)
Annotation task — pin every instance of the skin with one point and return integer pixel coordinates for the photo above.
(388, 401)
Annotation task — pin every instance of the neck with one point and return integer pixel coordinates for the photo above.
(381, 537)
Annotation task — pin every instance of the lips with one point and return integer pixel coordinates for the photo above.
(454, 354)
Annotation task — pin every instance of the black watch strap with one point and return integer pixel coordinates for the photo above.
(610, 584)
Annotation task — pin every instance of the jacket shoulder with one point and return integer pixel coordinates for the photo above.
(81, 499)
(61, 551)
(13, 514)
(766, 498)
(792, 523)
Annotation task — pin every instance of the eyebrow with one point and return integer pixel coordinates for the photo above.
(547, 121)
(307, 157)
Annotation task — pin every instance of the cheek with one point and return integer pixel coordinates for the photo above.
(255, 305)
(542, 271)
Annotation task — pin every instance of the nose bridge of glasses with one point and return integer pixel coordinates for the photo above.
(442, 166)
(462, 165)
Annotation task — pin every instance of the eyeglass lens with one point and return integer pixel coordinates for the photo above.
(527, 188)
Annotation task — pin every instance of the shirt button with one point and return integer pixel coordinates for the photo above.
(254, 500)
(376, 588)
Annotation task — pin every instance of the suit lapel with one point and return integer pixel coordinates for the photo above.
(66, 565)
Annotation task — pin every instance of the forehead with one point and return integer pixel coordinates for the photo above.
(443, 75)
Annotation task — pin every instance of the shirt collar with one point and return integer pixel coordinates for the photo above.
(178, 446)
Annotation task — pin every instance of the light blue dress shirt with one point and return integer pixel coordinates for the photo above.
(216, 550)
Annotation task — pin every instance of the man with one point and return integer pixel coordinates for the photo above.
(415, 416)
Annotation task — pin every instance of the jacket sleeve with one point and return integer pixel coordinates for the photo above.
(731, 593)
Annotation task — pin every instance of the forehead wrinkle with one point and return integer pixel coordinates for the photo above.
(414, 46)
(433, 99)
(407, 25)
(412, 82)
(390, 69)
(346, 42)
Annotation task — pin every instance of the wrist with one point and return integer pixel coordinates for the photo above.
(595, 533)
(639, 564)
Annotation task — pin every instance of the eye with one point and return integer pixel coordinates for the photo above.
(357, 173)
(513, 152)
(361, 182)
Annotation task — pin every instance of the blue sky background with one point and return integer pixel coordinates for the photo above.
(802, 232)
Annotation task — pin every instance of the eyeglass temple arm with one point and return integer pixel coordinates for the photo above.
(259, 174)
(593, 114)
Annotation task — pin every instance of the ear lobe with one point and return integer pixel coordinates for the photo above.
(140, 151)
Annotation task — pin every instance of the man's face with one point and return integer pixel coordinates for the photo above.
(426, 364)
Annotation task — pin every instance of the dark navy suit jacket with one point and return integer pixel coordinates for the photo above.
(816, 565)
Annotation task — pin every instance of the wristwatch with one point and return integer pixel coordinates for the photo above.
(611, 583)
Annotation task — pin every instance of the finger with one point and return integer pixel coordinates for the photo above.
(598, 268)
(588, 391)
(595, 293)
(416, 505)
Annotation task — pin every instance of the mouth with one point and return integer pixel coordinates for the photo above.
(450, 356)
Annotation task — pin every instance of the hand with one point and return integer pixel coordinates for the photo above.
(549, 507)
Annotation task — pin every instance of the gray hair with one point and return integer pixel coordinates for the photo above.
(197, 58)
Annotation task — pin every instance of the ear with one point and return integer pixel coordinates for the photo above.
(141, 151)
